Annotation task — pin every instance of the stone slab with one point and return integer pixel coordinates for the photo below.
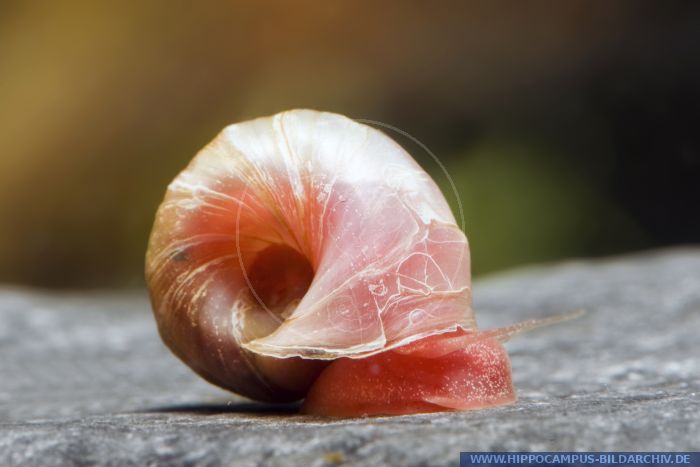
(84, 379)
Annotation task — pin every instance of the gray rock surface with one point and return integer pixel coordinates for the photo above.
(84, 379)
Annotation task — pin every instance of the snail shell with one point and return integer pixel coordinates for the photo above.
(297, 239)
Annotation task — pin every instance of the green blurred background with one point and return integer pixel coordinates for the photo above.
(570, 128)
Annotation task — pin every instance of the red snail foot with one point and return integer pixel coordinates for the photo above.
(454, 371)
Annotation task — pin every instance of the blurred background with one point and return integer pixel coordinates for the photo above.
(571, 129)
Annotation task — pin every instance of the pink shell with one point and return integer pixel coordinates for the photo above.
(389, 264)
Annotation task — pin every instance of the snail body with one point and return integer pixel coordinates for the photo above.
(452, 371)
(304, 252)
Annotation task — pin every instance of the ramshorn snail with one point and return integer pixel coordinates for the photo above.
(307, 255)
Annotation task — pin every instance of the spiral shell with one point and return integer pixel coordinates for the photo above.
(299, 238)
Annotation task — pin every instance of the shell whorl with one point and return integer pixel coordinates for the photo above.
(302, 236)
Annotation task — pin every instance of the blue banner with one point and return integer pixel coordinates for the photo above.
(588, 459)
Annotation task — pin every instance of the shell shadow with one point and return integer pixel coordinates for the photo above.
(217, 408)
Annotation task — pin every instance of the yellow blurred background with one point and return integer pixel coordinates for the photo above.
(570, 128)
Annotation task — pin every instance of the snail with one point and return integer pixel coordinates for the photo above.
(308, 256)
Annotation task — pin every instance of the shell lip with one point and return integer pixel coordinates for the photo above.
(355, 352)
